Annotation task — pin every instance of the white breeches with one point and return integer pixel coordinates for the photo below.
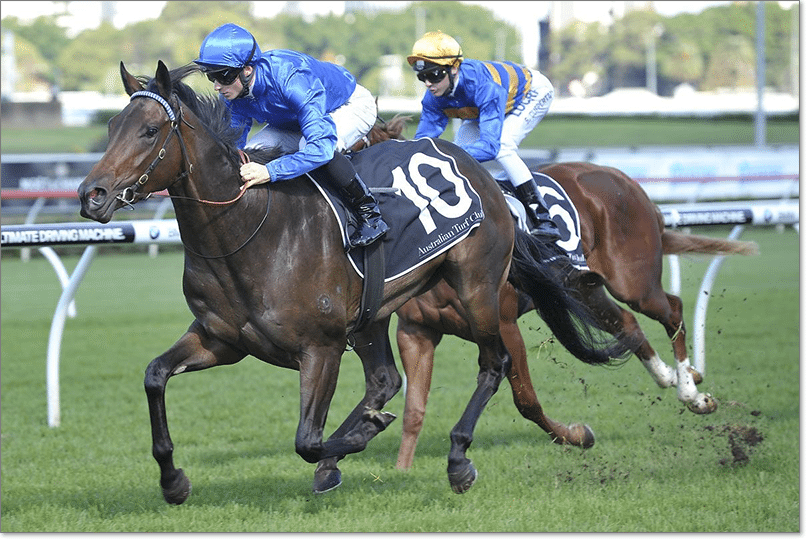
(516, 126)
(353, 120)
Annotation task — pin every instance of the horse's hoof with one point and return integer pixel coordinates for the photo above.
(703, 405)
(696, 376)
(326, 480)
(177, 490)
(462, 480)
(585, 436)
(578, 435)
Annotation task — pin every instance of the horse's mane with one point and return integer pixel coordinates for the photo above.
(214, 114)
(383, 131)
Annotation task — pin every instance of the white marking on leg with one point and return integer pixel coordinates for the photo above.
(687, 390)
(663, 374)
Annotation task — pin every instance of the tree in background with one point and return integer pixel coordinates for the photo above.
(712, 49)
(709, 50)
(37, 47)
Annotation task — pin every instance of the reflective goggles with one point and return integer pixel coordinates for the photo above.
(223, 77)
(432, 76)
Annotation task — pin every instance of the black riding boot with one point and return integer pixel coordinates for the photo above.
(370, 225)
(536, 209)
(340, 173)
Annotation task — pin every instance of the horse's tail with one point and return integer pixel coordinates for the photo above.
(677, 243)
(535, 273)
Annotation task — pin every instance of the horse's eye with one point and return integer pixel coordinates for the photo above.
(151, 131)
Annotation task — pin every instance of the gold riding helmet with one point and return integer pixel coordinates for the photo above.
(435, 48)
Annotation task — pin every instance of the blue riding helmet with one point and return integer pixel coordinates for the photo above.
(228, 46)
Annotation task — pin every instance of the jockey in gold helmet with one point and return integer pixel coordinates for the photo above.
(498, 103)
(433, 56)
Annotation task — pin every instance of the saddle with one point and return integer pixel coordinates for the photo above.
(427, 203)
(560, 208)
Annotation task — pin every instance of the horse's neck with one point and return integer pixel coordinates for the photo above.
(206, 202)
(267, 219)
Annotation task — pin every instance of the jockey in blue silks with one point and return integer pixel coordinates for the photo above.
(313, 110)
(499, 104)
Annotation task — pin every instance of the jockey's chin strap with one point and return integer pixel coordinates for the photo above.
(129, 194)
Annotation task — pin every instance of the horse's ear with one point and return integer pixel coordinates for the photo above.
(130, 83)
(163, 80)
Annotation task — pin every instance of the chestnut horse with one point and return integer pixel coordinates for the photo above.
(266, 273)
(624, 240)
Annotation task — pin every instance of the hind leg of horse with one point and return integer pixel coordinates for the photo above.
(481, 305)
(677, 334)
(366, 420)
(191, 353)
(688, 376)
(417, 346)
(668, 310)
(520, 380)
(622, 324)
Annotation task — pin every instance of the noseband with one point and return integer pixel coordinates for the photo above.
(129, 194)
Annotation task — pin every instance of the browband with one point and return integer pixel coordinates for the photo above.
(158, 98)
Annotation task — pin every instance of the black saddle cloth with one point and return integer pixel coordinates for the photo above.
(562, 212)
(427, 203)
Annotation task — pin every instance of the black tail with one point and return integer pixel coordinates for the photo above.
(537, 270)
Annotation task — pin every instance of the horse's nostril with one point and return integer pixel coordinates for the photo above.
(96, 193)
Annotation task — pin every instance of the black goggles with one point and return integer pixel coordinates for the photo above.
(432, 76)
(223, 77)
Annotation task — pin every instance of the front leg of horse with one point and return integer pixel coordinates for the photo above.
(688, 377)
(366, 420)
(176, 486)
(327, 474)
(186, 355)
(460, 470)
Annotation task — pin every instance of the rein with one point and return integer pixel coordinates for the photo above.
(129, 193)
(253, 235)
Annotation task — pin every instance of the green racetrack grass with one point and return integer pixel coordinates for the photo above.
(655, 467)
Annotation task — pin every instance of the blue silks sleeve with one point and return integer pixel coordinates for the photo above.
(245, 123)
(432, 121)
(307, 97)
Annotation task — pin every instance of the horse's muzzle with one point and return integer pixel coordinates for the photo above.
(96, 202)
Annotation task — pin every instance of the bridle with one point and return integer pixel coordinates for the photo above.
(128, 195)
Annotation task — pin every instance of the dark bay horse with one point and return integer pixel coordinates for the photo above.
(624, 240)
(266, 275)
